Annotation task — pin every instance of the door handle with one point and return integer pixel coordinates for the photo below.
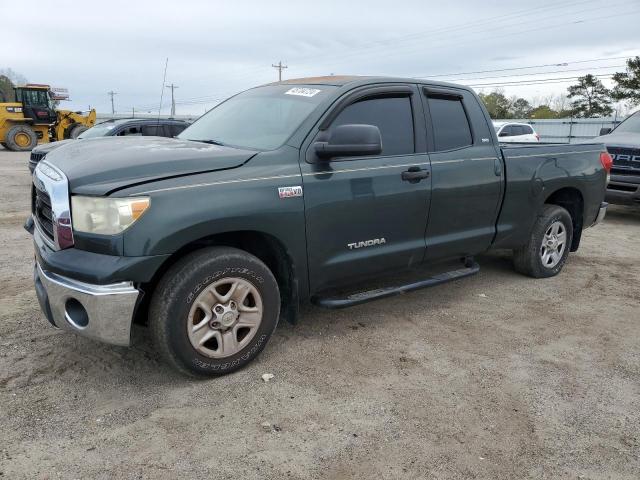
(414, 175)
(497, 167)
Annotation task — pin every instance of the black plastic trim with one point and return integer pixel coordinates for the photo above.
(470, 268)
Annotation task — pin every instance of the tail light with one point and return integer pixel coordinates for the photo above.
(537, 136)
(607, 163)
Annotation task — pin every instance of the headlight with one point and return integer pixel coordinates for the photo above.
(106, 216)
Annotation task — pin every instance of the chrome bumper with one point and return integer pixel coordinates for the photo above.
(102, 312)
(601, 213)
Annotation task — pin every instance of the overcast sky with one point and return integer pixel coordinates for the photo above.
(218, 48)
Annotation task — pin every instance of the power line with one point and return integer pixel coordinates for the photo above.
(534, 82)
(279, 67)
(560, 64)
(534, 73)
(173, 100)
(111, 94)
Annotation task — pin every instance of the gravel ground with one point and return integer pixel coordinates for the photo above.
(496, 376)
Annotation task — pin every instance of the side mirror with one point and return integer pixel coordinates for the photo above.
(605, 131)
(350, 141)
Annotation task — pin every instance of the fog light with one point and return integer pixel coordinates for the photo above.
(75, 313)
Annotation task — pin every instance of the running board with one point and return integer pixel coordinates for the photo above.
(471, 268)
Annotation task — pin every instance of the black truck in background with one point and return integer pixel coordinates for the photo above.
(623, 144)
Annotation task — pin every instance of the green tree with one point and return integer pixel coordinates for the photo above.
(8, 80)
(590, 98)
(497, 104)
(6, 89)
(628, 84)
(543, 111)
(520, 108)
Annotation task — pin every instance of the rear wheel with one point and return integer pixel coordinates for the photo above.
(21, 138)
(77, 130)
(214, 311)
(548, 248)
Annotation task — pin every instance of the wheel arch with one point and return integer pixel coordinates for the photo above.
(572, 200)
(264, 246)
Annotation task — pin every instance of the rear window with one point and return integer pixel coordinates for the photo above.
(450, 124)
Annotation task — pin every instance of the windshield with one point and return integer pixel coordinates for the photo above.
(101, 130)
(630, 125)
(261, 118)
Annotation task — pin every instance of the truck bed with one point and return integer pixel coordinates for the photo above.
(533, 171)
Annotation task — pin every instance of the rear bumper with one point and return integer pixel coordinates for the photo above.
(623, 189)
(101, 312)
(602, 212)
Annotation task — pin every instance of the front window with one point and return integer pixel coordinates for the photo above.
(100, 130)
(630, 125)
(33, 97)
(261, 118)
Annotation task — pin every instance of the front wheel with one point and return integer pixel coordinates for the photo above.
(548, 248)
(214, 311)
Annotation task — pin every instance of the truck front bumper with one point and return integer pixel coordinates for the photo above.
(623, 189)
(102, 312)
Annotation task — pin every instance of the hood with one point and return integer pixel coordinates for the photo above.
(97, 166)
(47, 147)
(622, 139)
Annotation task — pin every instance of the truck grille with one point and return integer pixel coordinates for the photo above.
(625, 158)
(41, 209)
(35, 158)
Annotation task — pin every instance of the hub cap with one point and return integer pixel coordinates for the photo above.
(22, 139)
(224, 317)
(553, 244)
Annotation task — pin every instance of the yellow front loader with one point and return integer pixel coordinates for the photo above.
(32, 119)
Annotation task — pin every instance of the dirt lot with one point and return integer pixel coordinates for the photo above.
(497, 376)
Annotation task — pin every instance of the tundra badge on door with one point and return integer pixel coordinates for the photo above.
(367, 243)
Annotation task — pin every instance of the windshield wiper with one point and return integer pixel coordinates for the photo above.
(212, 142)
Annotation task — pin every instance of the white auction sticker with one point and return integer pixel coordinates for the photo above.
(302, 92)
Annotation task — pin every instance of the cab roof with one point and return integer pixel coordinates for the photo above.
(342, 80)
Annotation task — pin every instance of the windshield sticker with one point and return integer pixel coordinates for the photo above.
(302, 92)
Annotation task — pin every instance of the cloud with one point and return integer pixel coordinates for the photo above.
(217, 48)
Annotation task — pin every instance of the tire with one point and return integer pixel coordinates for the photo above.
(183, 300)
(540, 260)
(21, 138)
(77, 130)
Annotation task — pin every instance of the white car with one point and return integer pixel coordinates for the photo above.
(515, 132)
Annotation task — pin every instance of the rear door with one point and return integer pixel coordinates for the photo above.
(362, 218)
(467, 175)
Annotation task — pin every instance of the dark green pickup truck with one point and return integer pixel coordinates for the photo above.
(305, 190)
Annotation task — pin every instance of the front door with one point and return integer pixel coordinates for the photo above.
(362, 218)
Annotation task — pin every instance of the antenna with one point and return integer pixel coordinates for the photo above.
(164, 79)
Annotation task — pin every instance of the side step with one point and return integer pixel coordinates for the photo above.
(470, 268)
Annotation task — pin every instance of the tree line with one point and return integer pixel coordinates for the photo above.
(588, 98)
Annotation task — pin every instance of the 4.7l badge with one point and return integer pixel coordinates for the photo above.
(288, 192)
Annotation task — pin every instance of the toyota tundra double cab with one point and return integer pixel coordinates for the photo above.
(312, 190)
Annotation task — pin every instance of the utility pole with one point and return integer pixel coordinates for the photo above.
(280, 67)
(111, 94)
(173, 100)
(133, 112)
